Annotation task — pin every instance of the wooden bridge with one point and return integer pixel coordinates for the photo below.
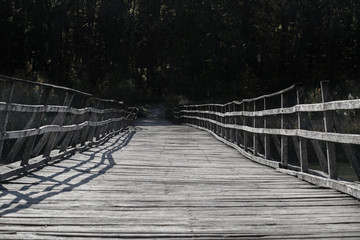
(99, 176)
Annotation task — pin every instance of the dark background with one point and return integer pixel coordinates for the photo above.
(209, 50)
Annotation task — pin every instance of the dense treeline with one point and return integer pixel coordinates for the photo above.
(203, 49)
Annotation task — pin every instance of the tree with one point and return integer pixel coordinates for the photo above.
(206, 50)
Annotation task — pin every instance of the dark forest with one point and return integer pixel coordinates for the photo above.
(206, 50)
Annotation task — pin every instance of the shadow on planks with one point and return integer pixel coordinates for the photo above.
(82, 167)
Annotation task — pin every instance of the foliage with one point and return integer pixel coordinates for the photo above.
(203, 50)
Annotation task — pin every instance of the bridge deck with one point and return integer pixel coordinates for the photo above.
(168, 181)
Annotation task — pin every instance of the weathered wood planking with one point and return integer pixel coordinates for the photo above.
(171, 182)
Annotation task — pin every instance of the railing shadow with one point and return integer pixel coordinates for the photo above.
(56, 187)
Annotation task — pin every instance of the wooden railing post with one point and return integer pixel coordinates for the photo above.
(83, 132)
(231, 121)
(223, 121)
(112, 126)
(195, 114)
(186, 119)
(329, 127)
(211, 117)
(190, 120)
(213, 127)
(255, 135)
(181, 115)
(219, 119)
(234, 122)
(58, 121)
(284, 139)
(195, 121)
(204, 115)
(72, 137)
(208, 117)
(226, 134)
(122, 123)
(198, 121)
(302, 125)
(266, 136)
(238, 121)
(228, 121)
(36, 123)
(99, 117)
(93, 118)
(244, 124)
(6, 97)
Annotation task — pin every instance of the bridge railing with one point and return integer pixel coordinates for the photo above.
(42, 122)
(276, 128)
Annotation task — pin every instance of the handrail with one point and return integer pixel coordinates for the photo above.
(11, 79)
(314, 107)
(266, 135)
(251, 99)
(52, 108)
(51, 132)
